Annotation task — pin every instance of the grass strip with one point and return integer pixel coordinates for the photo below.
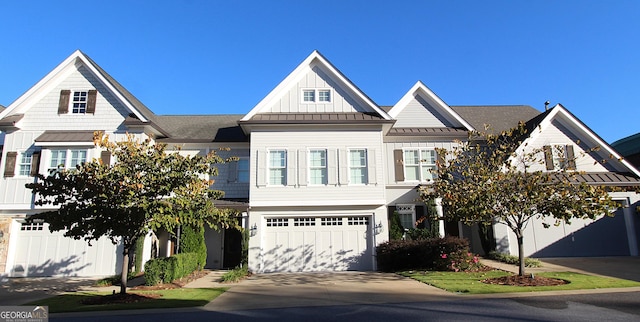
(471, 283)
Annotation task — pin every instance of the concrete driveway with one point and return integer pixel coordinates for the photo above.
(620, 267)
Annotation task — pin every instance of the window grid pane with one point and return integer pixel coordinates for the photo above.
(324, 95)
(77, 157)
(358, 166)
(309, 95)
(318, 167)
(277, 167)
(79, 102)
(419, 164)
(25, 164)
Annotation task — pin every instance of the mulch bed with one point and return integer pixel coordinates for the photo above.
(118, 298)
(517, 280)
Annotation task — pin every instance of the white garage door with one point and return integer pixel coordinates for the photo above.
(307, 244)
(41, 253)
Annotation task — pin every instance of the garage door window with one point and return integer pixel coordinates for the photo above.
(32, 226)
(304, 221)
(331, 221)
(356, 221)
(277, 222)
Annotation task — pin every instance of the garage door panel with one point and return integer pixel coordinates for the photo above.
(317, 244)
(42, 253)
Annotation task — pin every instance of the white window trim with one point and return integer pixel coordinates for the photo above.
(407, 209)
(268, 166)
(67, 149)
(316, 95)
(19, 163)
(326, 167)
(366, 166)
(555, 159)
(72, 94)
(420, 165)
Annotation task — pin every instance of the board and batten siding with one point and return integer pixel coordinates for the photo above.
(297, 191)
(557, 134)
(43, 114)
(341, 101)
(419, 113)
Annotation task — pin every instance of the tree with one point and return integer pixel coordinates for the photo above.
(490, 179)
(147, 188)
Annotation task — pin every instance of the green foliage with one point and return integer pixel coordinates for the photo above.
(460, 260)
(513, 260)
(395, 227)
(139, 249)
(397, 255)
(168, 269)
(146, 189)
(192, 241)
(236, 274)
(245, 247)
(421, 233)
(488, 179)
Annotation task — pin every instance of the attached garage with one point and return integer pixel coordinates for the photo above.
(309, 244)
(41, 253)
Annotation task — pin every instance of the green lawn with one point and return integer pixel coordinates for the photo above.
(470, 283)
(172, 298)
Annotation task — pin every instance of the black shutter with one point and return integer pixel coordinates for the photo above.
(10, 164)
(91, 102)
(63, 104)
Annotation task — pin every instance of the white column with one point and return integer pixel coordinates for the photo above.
(440, 216)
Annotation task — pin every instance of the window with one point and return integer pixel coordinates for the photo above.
(277, 222)
(243, 171)
(318, 167)
(324, 95)
(357, 221)
(24, 166)
(304, 221)
(278, 167)
(419, 164)
(331, 221)
(559, 157)
(313, 95)
(32, 226)
(358, 166)
(407, 214)
(308, 95)
(79, 103)
(66, 159)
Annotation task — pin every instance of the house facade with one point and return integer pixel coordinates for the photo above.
(320, 169)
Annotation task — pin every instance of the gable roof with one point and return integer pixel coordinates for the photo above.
(420, 89)
(544, 120)
(498, 117)
(77, 57)
(301, 71)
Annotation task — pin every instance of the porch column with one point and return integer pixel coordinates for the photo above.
(440, 217)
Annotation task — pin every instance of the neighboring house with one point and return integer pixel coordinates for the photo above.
(321, 167)
(629, 148)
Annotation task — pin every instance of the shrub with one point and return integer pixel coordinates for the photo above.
(192, 241)
(395, 227)
(396, 255)
(421, 233)
(459, 260)
(168, 269)
(514, 260)
(236, 274)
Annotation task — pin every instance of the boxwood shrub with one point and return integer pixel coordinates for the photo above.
(168, 269)
(427, 254)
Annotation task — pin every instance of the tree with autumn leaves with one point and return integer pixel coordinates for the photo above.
(146, 188)
(491, 179)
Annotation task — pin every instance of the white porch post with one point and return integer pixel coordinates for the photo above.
(440, 217)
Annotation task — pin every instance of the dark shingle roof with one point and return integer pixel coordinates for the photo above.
(498, 117)
(11, 120)
(201, 128)
(628, 146)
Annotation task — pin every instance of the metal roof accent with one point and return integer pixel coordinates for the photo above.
(432, 131)
(11, 120)
(316, 118)
(65, 136)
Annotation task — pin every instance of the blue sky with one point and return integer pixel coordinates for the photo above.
(215, 57)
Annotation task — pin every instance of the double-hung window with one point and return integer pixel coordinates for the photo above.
(79, 102)
(66, 159)
(277, 167)
(318, 167)
(24, 166)
(243, 171)
(358, 166)
(419, 164)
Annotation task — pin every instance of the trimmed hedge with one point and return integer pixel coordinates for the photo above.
(168, 269)
(428, 254)
(192, 241)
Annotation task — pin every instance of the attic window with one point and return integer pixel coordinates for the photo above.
(316, 95)
(79, 103)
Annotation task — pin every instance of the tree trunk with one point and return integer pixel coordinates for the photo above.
(125, 270)
(521, 253)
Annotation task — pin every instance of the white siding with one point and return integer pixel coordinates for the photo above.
(341, 101)
(419, 113)
(300, 193)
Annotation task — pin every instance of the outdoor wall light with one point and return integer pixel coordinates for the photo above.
(378, 228)
(253, 230)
